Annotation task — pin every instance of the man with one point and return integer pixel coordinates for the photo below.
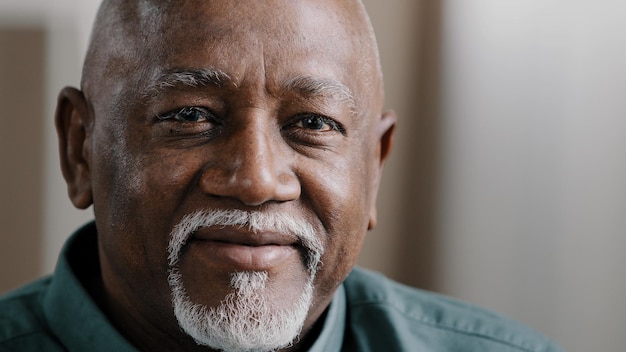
(232, 151)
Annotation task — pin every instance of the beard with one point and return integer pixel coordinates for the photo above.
(246, 319)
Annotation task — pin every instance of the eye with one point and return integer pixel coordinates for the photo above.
(189, 114)
(317, 123)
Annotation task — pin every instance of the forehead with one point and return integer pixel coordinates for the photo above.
(249, 40)
(225, 17)
(227, 32)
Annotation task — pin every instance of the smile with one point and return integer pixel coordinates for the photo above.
(237, 249)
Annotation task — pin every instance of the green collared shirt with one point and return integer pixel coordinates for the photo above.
(368, 313)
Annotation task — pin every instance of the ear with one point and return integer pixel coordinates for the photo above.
(73, 125)
(385, 131)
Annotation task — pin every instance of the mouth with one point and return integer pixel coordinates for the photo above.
(234, 248)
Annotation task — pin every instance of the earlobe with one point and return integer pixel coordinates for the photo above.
(73, 127)
(385, 131)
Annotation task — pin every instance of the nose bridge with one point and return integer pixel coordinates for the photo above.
(253, 153)
(252, 168)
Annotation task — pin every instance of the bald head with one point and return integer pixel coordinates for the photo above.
(134, 39)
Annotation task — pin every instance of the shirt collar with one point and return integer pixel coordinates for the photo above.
(331, 337)
(72, 314)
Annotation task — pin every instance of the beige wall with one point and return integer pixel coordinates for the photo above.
(45, 48)
(403, 244)
(21, 144)
(41, 50)
(533, 198)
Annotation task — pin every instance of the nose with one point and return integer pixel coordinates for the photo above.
(253, 165)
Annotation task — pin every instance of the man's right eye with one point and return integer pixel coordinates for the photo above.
(189, 114)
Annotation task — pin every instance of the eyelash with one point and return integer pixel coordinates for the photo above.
(301, 118)
(206, 116)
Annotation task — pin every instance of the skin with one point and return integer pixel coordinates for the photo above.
(143, 173)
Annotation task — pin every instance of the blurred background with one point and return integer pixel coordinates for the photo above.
(507, 184)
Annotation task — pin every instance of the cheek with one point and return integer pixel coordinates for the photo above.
(136, 208)
(341, 199)
(150, 189)
(137, 185)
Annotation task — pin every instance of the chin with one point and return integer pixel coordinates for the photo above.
(247, 319)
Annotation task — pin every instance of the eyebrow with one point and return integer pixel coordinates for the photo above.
(310, 86)
(304, 85)
(191, 78)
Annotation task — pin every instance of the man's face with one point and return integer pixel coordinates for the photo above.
(240, 106)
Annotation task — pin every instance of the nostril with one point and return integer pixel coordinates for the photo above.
(251, 188)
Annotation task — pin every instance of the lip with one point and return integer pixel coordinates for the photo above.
(240, 249)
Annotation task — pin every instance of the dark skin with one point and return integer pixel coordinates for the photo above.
(146, 157)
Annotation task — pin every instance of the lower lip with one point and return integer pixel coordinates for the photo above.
(241, 257)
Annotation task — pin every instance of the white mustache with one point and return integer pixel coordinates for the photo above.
(253, 221)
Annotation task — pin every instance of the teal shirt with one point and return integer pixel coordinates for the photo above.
(368, 313)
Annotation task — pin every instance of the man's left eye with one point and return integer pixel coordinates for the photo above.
(317, 123)
(189, 114)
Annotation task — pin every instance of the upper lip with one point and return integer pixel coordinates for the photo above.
(243, 236)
